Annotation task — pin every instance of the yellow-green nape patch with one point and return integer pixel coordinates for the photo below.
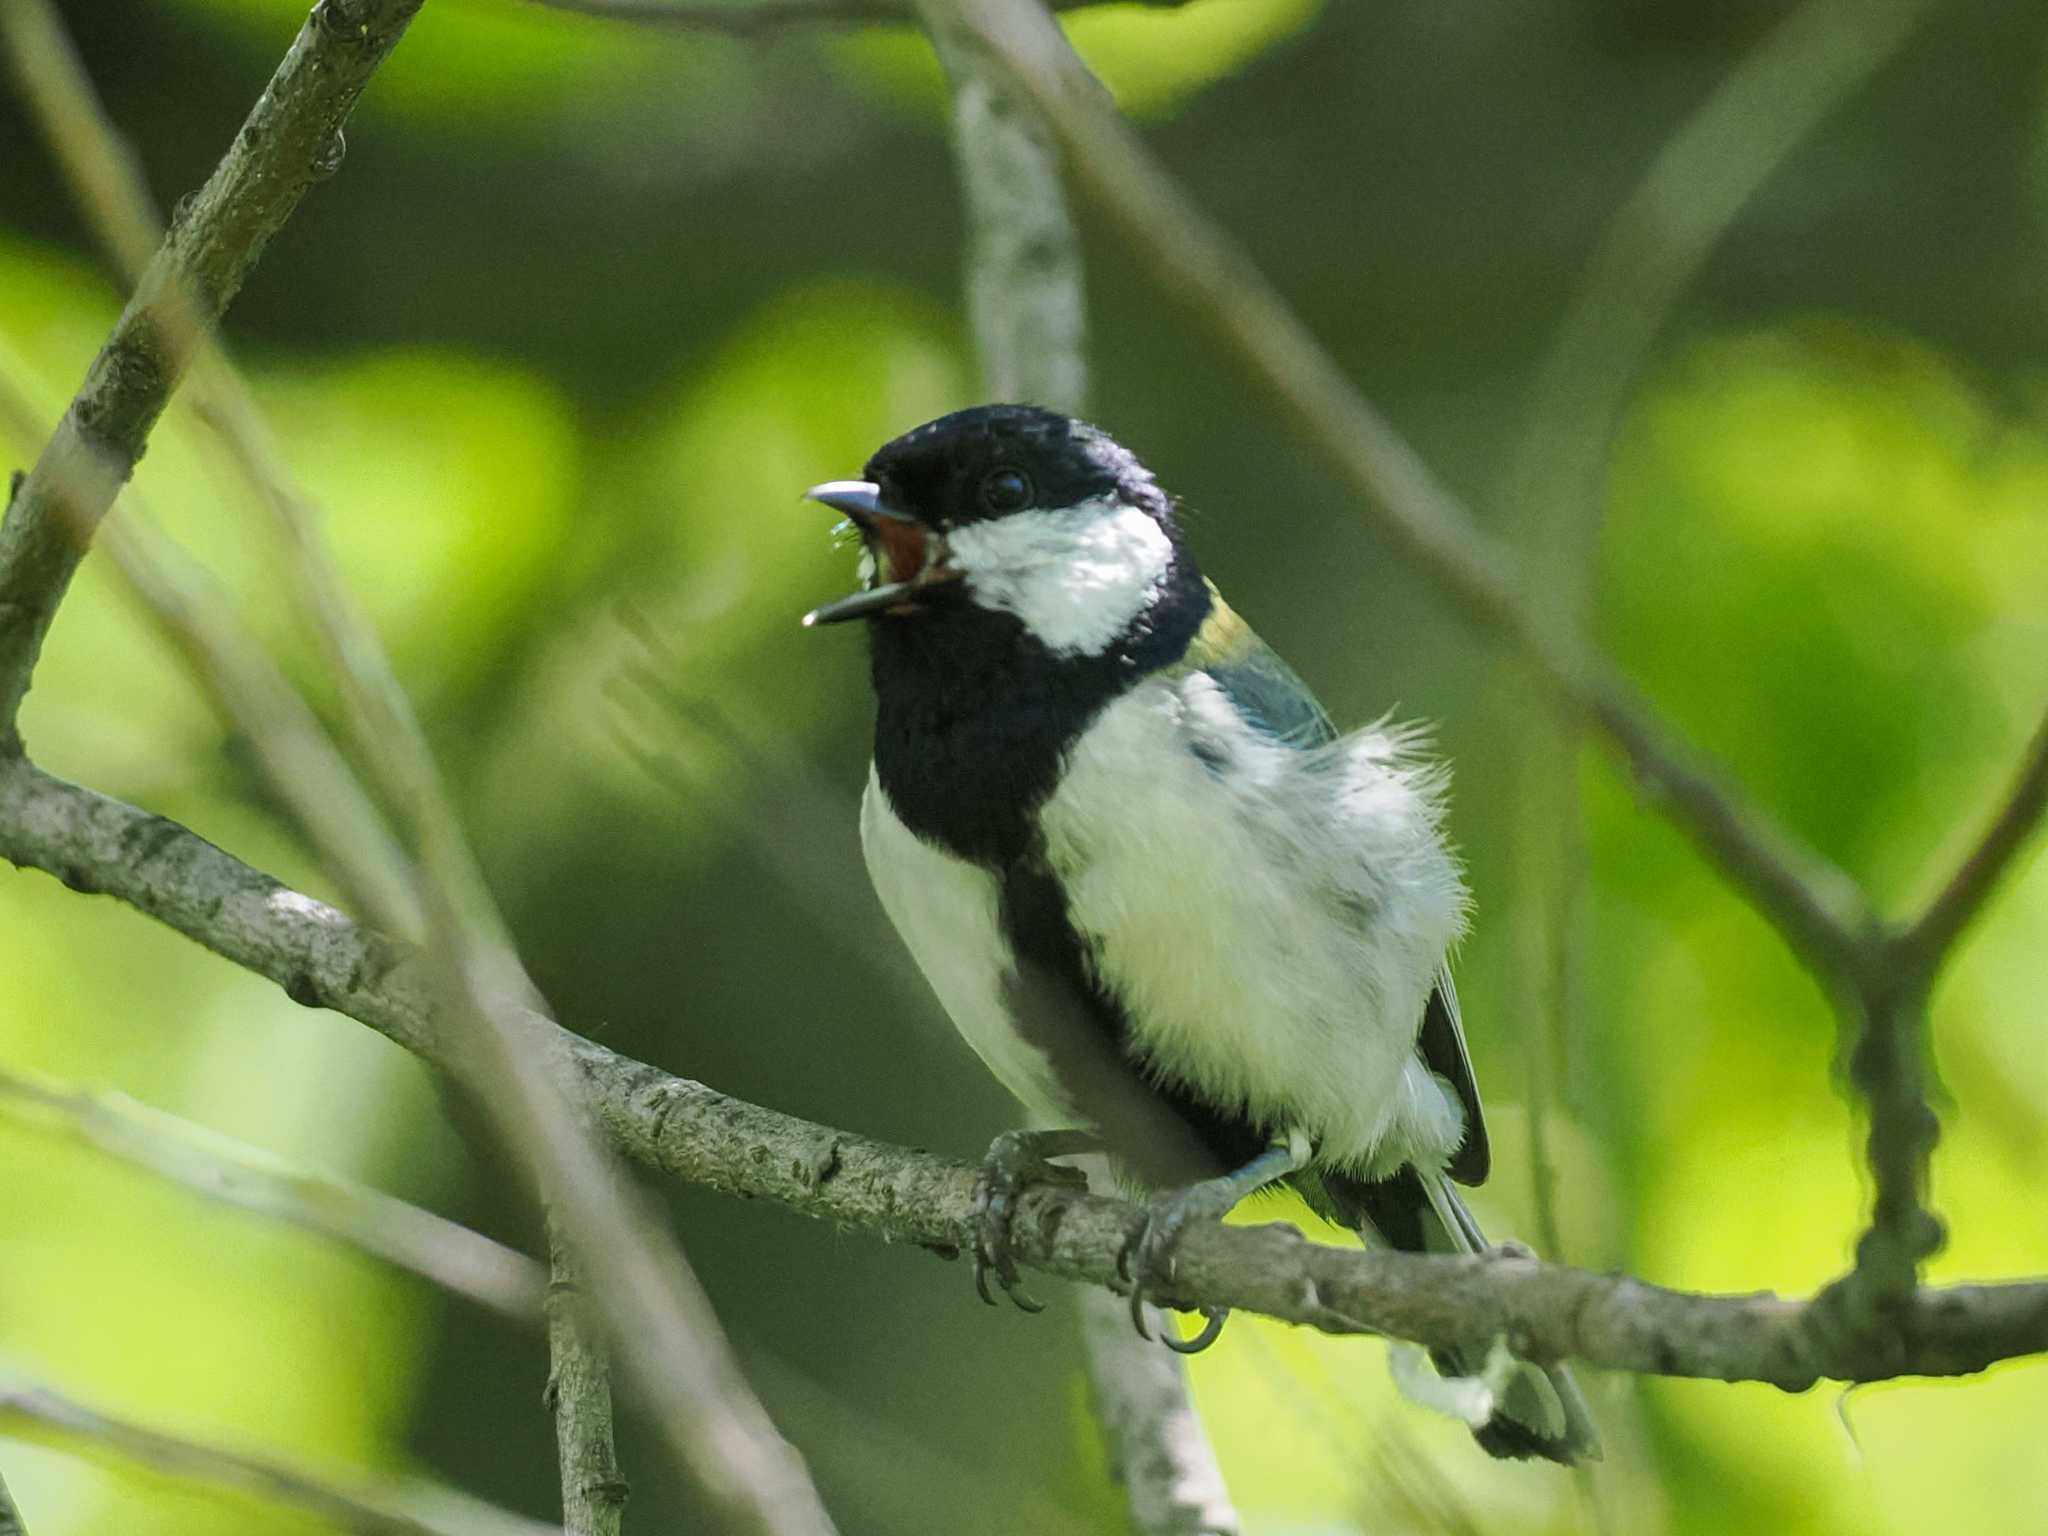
(1223, 638)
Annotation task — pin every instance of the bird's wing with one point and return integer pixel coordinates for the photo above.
(1442, 1044)
(1270, 696)
(1260, 686)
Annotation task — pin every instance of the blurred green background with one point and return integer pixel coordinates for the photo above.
(584, 311)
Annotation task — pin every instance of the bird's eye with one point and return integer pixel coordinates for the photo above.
(1005, 490)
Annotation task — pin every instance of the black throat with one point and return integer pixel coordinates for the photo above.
(975, 716)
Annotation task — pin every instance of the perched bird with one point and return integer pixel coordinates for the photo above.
(1179, 917)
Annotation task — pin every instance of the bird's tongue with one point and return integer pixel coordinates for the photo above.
(900, 548)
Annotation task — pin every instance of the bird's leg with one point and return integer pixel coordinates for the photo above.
(1147, 1257)
(1017, 1159)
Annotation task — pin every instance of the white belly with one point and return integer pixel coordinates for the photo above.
(945, 908)
(1273, 927)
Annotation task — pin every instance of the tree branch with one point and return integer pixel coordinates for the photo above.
(1158, 1448)
(11, 1523)
(291, 139)
(579, 1393)
(374, 1509)
(1928, 939)
(702, 1137)
(437, 1250)
(750, 17)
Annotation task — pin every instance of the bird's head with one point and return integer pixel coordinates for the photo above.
(1017, 514)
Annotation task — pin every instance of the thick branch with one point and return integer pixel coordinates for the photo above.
(292, 138)
(702, 1137)
(437, 1250)
(376, 1510)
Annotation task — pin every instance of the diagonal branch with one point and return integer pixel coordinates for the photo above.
(751, 17)
(290, 140)
(1929, 938)
(437, 1250)
(11, 1523)
(411, 1509)
(702, 1137)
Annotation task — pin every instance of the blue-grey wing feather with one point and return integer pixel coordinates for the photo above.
(1270, 696)
(1268, 693)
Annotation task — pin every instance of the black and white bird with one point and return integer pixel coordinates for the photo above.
(1179, 917)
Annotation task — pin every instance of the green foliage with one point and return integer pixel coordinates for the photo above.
(1823, 554)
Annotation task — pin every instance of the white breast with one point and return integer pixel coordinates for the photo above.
(1271, 926)
(946, 910)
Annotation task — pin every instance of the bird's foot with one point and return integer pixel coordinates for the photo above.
(1015, 1161)
(1147, 1259)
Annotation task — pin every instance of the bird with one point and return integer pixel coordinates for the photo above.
(1179, 917)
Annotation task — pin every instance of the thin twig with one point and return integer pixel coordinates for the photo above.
(290, 141)
(11, 1523)
(579, 1394)
(1023, 257)
(749, 18)
(1930, 937)
(414, 1509)
(1704, 175)
(701, 1137)
(441, 1252)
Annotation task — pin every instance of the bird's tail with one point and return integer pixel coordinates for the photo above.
(1539, 1410)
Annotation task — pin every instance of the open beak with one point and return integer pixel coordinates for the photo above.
(908, 555)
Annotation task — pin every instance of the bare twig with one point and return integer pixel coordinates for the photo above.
(101, 164)
(1929, 939)
(750, 17)
(1704, 175)
(1157, 1447)
(702, 1137)
(11, 1523)
(579, 1394)
(1023, 258)
(291, 140)
(437, 1250)
(414, 1509)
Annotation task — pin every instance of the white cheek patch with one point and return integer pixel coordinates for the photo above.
(1077, 577)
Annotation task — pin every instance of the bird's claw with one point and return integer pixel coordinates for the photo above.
(1146, 1261)
(1014, 1162)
